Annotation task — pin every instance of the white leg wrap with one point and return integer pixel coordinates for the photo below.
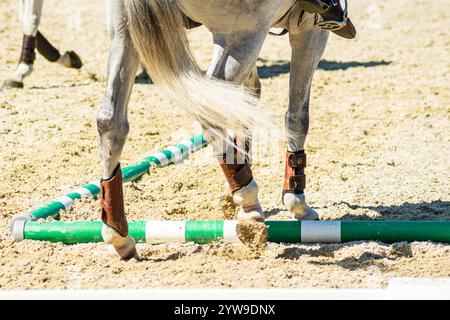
(247, 198)
(296, 204)
(23, 70)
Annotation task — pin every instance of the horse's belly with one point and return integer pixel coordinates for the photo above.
(235, 14)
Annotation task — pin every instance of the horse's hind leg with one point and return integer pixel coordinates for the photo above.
(112, 124)
(31, 15)
(236, 63)
(68, 59)
(247, 197)
(308, 45)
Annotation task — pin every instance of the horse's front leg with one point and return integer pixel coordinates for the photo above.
(31, 16)
(112, 124)
(308, 45)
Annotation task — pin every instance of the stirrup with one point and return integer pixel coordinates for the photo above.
(332, 25)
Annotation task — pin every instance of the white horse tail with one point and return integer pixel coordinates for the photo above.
(157, 31)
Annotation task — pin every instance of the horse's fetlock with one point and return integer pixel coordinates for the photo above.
(248, 195)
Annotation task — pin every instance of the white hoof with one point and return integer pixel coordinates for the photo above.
(296, 204)
(252, 214)
(124, 246)
(310, 215)
(247, 198)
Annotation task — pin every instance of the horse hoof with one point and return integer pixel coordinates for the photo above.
(309, 215)
(124, 246)
(75, 60)
(143, 78)
(296, 204)
(12, 84)
(127, 249)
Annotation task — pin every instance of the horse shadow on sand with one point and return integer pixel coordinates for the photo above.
(271, 69)
(436, 210)
(365, 260)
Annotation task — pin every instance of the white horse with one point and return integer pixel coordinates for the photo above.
(32, 40)
(152, 31)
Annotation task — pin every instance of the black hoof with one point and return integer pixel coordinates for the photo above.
(12, 84)
(143, 77)
(75, 60)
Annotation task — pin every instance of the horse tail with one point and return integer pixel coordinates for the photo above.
(157, 32)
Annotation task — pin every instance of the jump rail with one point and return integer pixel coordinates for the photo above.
(208, 231)
(168, 156)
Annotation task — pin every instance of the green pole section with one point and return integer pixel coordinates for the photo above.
(130, 173)
(73, 232)
(284, 231)
(395, 231)
(137, 230)
(203, 231)
(51, 209)
(65, 232)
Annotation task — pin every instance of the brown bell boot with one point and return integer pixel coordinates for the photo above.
(294, 187)
(115, 228)
(244, 189)
(113, 209)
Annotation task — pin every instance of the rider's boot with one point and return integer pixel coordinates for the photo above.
(331, 16)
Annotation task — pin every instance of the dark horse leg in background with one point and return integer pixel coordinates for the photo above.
(32, 40)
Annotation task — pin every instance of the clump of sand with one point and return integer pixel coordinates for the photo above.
(228, 207)
(253, 235)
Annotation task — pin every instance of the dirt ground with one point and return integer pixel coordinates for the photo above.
(378, 149)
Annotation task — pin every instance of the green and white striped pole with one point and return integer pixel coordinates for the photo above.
(209, 231)
(168, 156)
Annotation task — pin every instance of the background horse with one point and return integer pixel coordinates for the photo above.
(153, 31)
(32, 40)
